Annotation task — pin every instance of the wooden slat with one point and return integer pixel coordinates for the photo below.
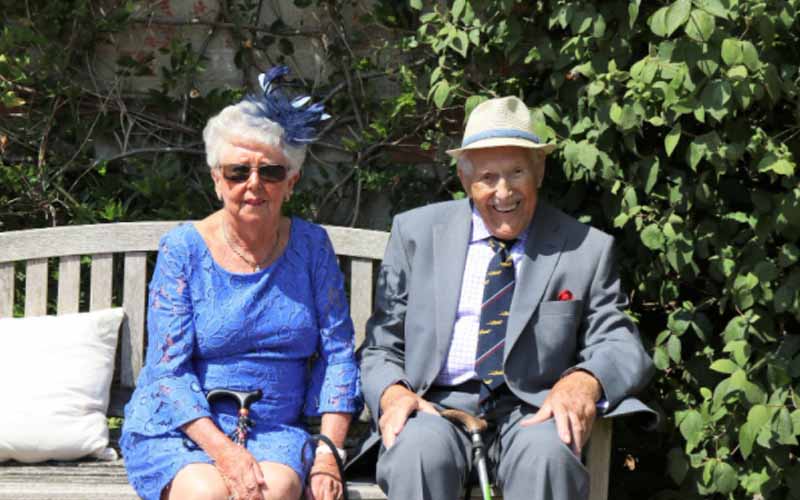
(69, 284)
(360, 295)
(143, 236)
(100, 284)
(97, 480)
(36, 287)
(598, 459)
(133, 301)
(6, 289)
(363, 243)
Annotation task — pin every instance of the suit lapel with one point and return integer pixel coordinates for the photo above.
(542, 251)
(450, 243)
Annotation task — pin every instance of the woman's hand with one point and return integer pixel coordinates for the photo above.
(325, 483)
(241, 473)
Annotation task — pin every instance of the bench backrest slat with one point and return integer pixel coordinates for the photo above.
(360, 295)
(6, 289)
(143, 236)
(101, 281)
(36, 287)
(133, 300)
(69, 284)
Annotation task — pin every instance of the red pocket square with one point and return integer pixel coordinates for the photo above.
(565, 295)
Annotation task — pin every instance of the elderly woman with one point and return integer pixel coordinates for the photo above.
(243, 300)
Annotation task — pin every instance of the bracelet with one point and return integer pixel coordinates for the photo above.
(323, 449)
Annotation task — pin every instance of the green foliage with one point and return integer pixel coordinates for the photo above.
(677, 124)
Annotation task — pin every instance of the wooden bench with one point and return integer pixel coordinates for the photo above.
(115, 257)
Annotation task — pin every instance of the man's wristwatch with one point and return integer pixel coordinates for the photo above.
(323, 449)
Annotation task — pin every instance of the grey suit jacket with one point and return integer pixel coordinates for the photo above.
(419, 286)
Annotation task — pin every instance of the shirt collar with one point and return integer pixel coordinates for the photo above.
(479, 231)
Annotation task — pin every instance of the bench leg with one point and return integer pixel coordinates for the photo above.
(598, 459)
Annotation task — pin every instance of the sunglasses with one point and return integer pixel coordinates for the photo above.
(266, 173)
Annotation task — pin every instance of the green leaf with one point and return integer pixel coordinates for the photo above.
(652, 168)
(758, 416)
(658, 22)
(736, 329)
(747, 436)
(672, 138)
(436, 74)
(674, 348)
(700, 26)
(691, 425)
(785, 428)
(731, 51)
(766, 271)
(738, 72)
(750, 55)
(725, 478)
(587, 154)
(633, 12)
(441, 91)
(677, 15)
(708, 67)
(715, 98)
(740, 349)
(713, 7)
(697, 151)
(415, 4)
(774, 82)
(458, 8)
(472, 102)
(652, 237)
(772, 163)
(661, 358)
(460, 43)
(475, 39)
(724, 366)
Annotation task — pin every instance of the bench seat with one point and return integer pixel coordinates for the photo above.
(95, 480)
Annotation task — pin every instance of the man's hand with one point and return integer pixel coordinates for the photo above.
(571, 403)
(397, 404)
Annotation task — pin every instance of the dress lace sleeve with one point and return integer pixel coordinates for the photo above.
(335, 384)
(168, 393)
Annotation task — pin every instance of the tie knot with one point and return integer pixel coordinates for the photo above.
(499, 245)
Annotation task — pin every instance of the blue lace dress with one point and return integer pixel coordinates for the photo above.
(210, 328)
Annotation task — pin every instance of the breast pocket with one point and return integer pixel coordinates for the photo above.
(561, 308)
(555, 334)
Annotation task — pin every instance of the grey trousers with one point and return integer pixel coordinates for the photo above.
(431, 459)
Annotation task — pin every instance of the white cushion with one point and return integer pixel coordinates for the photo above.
(55, 377)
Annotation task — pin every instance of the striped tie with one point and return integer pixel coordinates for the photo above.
(497, 292)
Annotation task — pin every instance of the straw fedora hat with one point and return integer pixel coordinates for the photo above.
(504, 121)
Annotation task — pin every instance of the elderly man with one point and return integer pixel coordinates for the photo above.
(503, 306)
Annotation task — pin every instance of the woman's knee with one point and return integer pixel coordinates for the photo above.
(196, 482)
(282, 482)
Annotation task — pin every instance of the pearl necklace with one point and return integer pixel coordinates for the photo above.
(255, 265)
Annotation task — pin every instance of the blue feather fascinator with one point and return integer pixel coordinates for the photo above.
(298, 117)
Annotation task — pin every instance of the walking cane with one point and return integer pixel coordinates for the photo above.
(474, 426)
(244, 399)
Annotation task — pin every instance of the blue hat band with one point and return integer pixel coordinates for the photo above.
(500, 132)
